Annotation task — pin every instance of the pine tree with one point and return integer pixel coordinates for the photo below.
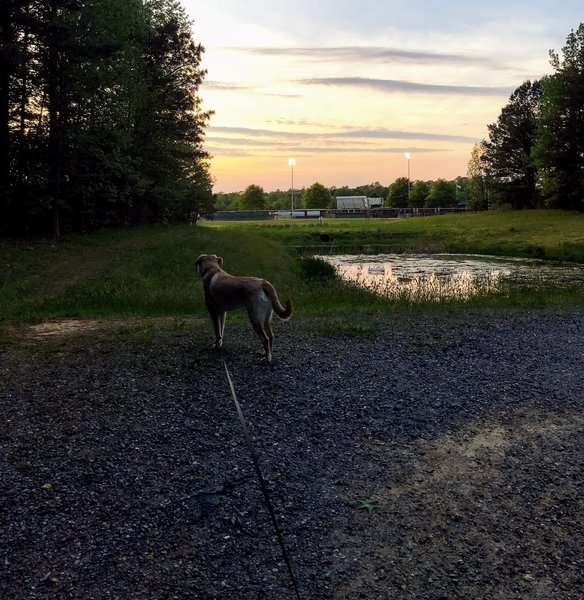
(560, 148)
(508, 153)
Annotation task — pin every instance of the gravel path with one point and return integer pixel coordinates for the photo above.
(441, 460)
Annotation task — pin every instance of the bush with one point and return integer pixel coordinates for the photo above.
(316, 268)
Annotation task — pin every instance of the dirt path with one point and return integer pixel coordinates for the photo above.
(443, 459)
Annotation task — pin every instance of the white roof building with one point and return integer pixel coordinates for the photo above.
(354, 202)
(358, 202)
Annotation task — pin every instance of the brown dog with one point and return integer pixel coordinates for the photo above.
(224, 292)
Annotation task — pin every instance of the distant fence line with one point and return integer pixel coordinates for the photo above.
(329, 213)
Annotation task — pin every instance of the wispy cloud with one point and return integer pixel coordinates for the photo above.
(397, 85)
(249, 132)
(405, 135)
(302, 123)
(353, 134)
(218, 149)
(382, 85)
(227, 86)
(232, 86)
(242, 141)
(369, 53)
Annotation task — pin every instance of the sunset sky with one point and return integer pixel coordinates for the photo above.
(346, 87)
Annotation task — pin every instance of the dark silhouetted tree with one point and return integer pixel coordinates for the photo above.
(508, 153)
(317, 196)
(100, 121)
(442, 194)
(397, 194)
(560, 148)
(253, 198)
(418, 193)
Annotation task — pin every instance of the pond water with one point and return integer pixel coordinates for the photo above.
(440, 276)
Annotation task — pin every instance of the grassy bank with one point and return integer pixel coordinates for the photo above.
(555, 235)
(149, 272)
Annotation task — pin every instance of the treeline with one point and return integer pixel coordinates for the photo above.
(534, 154)
(399, 194)
(100, 122)
(316, 196)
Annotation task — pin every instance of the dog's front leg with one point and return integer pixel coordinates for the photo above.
(222, 317)
(218, 320)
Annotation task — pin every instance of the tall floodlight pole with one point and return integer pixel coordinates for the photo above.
(408, 156)
(291, 163)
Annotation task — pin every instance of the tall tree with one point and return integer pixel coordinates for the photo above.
(100, 121)
(372, 190)
(508, 153)
(106, 173)
(169, 125)
(442, 194)
(199, 198)
(278, 200)
(397, 194)
(560, 148)
(419, 191)
(228, 200)
(317, 196)
(8, 61)
(253, 198)
(61, 50)
(478, 197)
(15, 74)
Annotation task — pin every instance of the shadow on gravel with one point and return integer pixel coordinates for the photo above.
(442, 459)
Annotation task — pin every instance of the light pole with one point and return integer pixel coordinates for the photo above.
(291, 163)
(408, 156)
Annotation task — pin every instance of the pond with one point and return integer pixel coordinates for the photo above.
(442, 276)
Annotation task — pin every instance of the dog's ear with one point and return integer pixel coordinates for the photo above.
(220, 261)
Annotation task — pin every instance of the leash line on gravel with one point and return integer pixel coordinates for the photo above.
(263, 487)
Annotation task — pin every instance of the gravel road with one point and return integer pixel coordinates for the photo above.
(442, 458)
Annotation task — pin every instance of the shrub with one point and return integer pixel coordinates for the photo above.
(313, 267)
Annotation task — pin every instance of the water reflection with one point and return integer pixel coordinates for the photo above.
(443, 276)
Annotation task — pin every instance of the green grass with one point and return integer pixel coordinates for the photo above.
(555, 235)
(149, 272)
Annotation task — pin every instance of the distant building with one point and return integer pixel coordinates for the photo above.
(358, 202)
(352, 202)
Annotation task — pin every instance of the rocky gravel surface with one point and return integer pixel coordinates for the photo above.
(441, 458)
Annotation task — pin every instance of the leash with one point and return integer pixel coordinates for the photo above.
(263, 487)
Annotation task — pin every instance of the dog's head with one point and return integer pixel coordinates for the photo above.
(205, 262)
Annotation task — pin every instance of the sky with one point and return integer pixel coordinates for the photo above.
(347, 87)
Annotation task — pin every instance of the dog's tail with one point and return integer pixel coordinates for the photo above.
(283, 313)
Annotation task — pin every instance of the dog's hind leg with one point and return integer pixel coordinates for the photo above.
(270, 333)
(265, 339)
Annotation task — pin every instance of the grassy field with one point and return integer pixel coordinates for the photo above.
(149, 272)
(556, 235)
(146, 273)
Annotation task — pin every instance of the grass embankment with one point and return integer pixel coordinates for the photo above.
(149, 272)
(555, 235)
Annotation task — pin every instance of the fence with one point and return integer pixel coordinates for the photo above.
(330, 213)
